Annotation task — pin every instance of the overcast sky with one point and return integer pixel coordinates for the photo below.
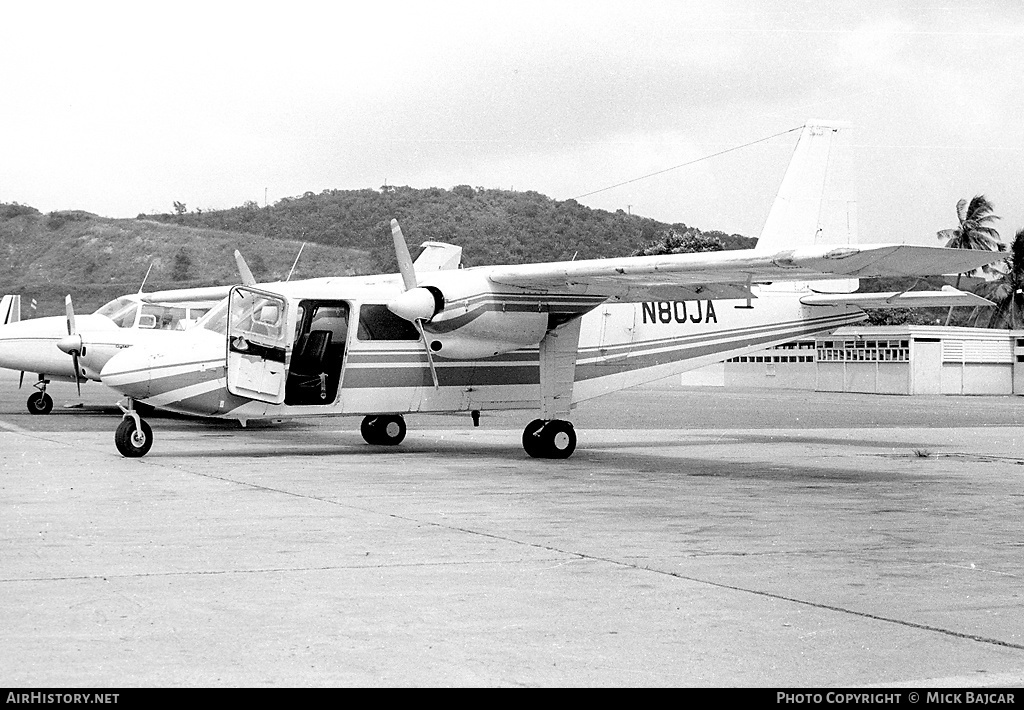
(122, 108)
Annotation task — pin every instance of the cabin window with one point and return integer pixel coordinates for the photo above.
(216, 319)
(376, 322)
(257, 315)
(122, 311)
(162, 317)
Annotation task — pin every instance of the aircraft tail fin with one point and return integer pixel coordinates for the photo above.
(817, 201)
(10, 309)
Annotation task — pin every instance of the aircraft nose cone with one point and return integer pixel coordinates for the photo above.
(414, 304)
(129, 372)
(70, 343)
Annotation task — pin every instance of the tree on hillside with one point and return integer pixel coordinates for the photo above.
(975, 231)
(1007, 292)
(182, 265)
(688, 242)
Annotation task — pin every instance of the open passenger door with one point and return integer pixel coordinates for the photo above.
(257, 344)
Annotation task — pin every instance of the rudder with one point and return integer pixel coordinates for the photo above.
(817, 202)
(10, 309)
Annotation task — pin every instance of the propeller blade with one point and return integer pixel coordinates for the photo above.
(404, 259)
(71, 314)
(21, 380)
(78, 381)
(415, 303)
(430, 355)
(243, 269)
(72, 344)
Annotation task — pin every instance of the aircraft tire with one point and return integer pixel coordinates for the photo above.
(532, 443)
(131, 442)
(40, 403)
(559, 439)
(383, 430)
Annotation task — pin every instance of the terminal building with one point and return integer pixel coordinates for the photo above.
(883, 360)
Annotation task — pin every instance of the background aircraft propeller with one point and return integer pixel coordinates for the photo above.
(72, 344)
(243, 270)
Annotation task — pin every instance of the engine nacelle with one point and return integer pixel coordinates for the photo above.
(476, 321)
(488, 334)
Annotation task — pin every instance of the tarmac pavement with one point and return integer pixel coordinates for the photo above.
(697, 537)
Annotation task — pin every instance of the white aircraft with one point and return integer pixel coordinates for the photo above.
(535, 336)
(42, 345)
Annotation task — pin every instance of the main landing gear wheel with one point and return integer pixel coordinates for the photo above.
(552, 439)
(40, 403)
(383, 430)
(132, 441)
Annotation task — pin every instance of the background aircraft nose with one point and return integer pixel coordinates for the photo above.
(28, 345)
(129, 372)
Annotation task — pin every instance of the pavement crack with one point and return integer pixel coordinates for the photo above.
(274, 570)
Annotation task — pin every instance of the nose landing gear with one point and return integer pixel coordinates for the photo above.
(39, 402)
(134, 436)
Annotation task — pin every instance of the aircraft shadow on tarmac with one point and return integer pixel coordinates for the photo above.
(612, 458)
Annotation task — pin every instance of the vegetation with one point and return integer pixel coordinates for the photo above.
(974, 232)
(686, 243)
(493, 226)
(1007, 291)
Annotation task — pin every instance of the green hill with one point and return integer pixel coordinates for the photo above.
(95, 259)
(492, 226)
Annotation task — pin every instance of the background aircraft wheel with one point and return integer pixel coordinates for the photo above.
(384, 430)
(40, 403)
(531, 438)
(368, 430)
(131, 441)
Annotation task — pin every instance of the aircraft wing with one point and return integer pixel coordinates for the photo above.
(182, 295)
(728, 274)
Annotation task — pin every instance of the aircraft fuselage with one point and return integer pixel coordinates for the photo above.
(619, 346)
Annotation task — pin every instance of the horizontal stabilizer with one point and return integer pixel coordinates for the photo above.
(947, 297)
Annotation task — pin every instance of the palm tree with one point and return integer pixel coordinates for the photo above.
(1007, 292)
(974, 232)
